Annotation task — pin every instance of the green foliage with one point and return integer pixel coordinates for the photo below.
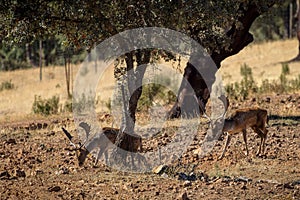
(7, 85)
(283, 84)
(68, 106)
(83, 104)
(241, 90)
(155, 93)
(272, 26)
(244, 88)
(85, 23)
(45, 106)
(9, 65)
(150, 91)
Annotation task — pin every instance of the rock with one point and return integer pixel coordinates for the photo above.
(4, 175)
(159, 169)
(64, 170)
(267, 100)
(288, 186)
(242, 179)
(164, 175)
(295, 183)
(19, 173)
(183, 196)
(38, 172)
(11, 141)
(51, 133)
(183, 176)
(187, 183)
(226, 179)
(197, 151)
(244, 187)
(54, 189)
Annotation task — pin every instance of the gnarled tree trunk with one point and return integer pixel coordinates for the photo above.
(134, 83)
(240, 38)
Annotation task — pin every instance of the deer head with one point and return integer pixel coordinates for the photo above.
(225, 102)
(81, 151)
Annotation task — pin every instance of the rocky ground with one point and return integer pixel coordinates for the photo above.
(37, 162)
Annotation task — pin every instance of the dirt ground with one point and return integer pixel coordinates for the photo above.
(37, 162)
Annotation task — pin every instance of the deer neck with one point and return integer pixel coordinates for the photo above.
(228, 125)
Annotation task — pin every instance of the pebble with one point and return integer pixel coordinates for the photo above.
(183, 196)
(54, 189)
(187, 183)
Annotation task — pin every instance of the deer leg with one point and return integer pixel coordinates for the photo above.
(226, 145)
(100, 152)
(264, 140)
(245, 140)
(260, 146)
(97, 158)
(132, 159)
(261, 135)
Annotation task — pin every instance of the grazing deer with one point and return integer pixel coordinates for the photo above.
(255, 118)
(102, 140)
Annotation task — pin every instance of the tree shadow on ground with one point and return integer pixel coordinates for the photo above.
(284, 120)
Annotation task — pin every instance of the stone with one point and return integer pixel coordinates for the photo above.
(159, 169)
(54, 189)
(183, 196)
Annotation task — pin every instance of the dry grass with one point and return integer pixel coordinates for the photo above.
(265, 60)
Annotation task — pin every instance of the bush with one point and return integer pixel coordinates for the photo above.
(154, 92)
(7, 85)
(68, 106)
(241, 90)
(45, 106)
(83, 104)
(10, 65)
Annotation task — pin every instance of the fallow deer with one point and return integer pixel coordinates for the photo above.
(254, 117)
(241, 119)
(102, 140)
(108, 137)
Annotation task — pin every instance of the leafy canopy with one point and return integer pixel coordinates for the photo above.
(84, 23)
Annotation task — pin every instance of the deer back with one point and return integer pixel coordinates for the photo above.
(244, 118)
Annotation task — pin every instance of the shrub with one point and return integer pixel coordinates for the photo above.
(83, 103)
(68, 106)
(10, 65)
(154, 93)
(45, 106)
(241, 90)
(7, 85)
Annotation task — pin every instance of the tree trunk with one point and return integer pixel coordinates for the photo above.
(68, 73)
(240, 38)
(134, 83)
(41, 59)
(298, 29)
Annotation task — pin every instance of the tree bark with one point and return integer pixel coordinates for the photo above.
(297, 58)
(240, 38)
(134, 83)
(68, 74)
(41, 59)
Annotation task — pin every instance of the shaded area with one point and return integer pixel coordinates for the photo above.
(293, 119)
